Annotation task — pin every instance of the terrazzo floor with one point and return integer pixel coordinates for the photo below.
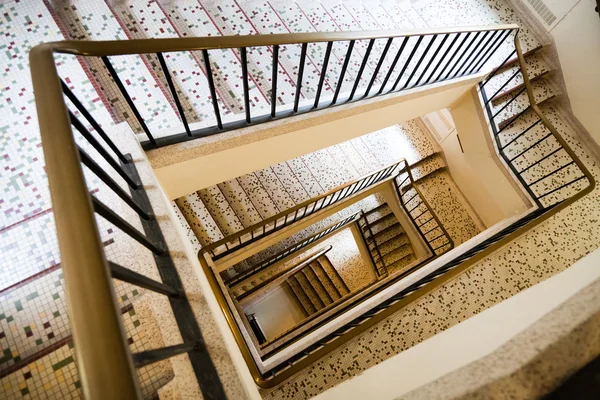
(29, 258)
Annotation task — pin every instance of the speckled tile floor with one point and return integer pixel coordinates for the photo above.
(29, 256)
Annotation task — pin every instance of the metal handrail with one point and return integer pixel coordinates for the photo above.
(533, 106)
(290, 250)
(269, 225)
(305, 261)
(429, 210)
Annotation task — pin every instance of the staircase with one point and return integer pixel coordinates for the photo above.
(317, 286)
(34, 305)
(386, 239)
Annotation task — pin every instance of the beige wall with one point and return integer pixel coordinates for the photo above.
(276, 313)
(577, 38)
(183, 173)
(476, 170)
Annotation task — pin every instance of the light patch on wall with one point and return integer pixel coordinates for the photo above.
(439, 124)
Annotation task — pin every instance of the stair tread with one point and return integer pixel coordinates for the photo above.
(385, 231)
(382, 220)
(199, 219)
(326, 280)
(337, 280)
(221, 211)
(240, 202)
(506, 122)
(301, 297)
(378, 208)
(515, 59)
(316, 283)
(520, 86)
(309, 290)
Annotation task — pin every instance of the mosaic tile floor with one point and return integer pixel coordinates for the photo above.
(29, 259)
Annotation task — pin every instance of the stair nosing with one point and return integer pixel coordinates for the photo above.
(520, 86)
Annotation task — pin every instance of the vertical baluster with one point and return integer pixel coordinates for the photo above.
(300, 73)
(410, 57)
(92, 121)
(323, 73)
(211, 85)
(459, 59)
(244, 61)
(362, 68)
(274, 80)
(476, 45)
(134, 109)
(343, 72)
(435, 53)
(378, 67)
(490, 36)
(165, 70)
(391, 70)
(442, 58)
(433, 38)
(456, 52)
(493, 50)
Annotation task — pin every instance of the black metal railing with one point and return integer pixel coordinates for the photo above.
(247, 236)
(261, 266)
(372, 245)
(529, 145)
(392, 62)
(131, 191)
(421, 213)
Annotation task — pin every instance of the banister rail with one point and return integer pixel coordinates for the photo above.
(409, 59)
(244, 237)
(290, 250)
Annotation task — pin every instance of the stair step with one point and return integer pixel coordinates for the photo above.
(376, 209)
(380, 224)
(240, 202)
(149, 21)
(427, 166)
(326, 280)
(513, 61)
(392, 243)
(309, 290)
(334, 275)
(232, 21)
(260, 198)
(317, 285)
(275, 189)
(385, 234)
(506, 122)
(396, 254)
(301, 296)
(400, 265)
(220, 210)
(509, 106)
(344, 162)
(520, 86)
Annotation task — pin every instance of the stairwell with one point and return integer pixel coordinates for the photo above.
(34, 305)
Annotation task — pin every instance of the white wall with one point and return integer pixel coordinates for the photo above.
(468, 341)
(276, 313)
(577, 37)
